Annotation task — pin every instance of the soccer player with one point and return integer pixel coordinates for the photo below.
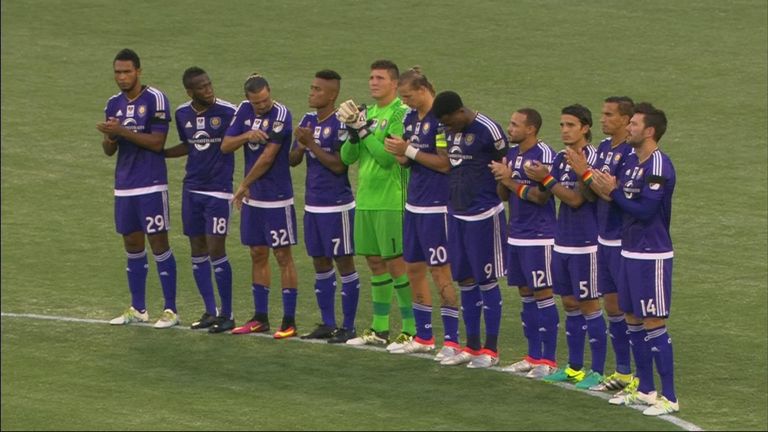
(381, 187)
(476, 224)
(611, 154)
(136, 127)
(329, 209)
(263, 128)
(205, 205)
(530, 237)
(425, 236)
(644, 194)
(574, 260)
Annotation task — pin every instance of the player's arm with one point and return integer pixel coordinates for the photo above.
(231, 143)
(644, 206)
(583, 169)
(296, 155)
(153, 141)
(503, 175)
(539, 172)
(332, 161)
(261, 166)
(109, 145)
(179, 150)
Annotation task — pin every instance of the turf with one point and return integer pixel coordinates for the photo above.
(703, 62)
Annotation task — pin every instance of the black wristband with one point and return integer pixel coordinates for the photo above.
(354, 137)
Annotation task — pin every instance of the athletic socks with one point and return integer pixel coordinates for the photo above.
(350, 293)
(405, 303)
(597, 340)
(529, 315)
(260, 300)
(643, 359)
(289, 305)
(423, 315)
(575, 332)
(325, 291)
(136, 270)
(201, 270)
(491, 295)
(166, 268)
(450, 316)
(617, 330)
(381, 293)
(222, 272)
(471, 306)
(661, 349)
(549, 320)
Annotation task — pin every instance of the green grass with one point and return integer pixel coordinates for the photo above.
(703, 62)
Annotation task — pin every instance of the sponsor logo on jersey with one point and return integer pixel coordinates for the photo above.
(188, 125)
(256, 124)
(318, 131)
(119, 113)
(499, 144)
(374, 123)
(215, 122)
(200, 121)
(343, 134)
(129, 110)
(654, 186)
(409, 128)
(247, 122)
(384, 124)
(253, 146)
(160, 115)
(418, 127)
(201, 140)
(518, 162)
(277, 126)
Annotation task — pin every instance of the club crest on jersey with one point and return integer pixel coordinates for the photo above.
(142, 110)
(617, 158)
(469, 139)
(265, 124)
(200, 121)
(425, 128)
(384, 124)
(326, 132)
(129, 111)
(277, 126)
(215, 122)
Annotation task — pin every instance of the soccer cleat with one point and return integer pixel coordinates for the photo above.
(486, 359)
(167, 319)
(222, 325)
(613, 382)
(416, 345)
(286, 332)
(400, 341)
(523, 366)
(447, 351)
(591, 379)
(252, 326)
(204, 322)
(465, 356)
(541, 371)
(341, 335)
(322, 331)
(661, 407)
(630, 396)
(565, 375)
(370, 337)
(130, 315)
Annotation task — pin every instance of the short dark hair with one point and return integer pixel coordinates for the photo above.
(416, 79)
(625, 103)
(654, 118)
(582, 113)
(532, 117)
(387, 65)
(127, 54)
(255, 83)
(190, 74)
(328, 74)
(447, 102)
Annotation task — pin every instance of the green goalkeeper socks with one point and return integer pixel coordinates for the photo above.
(381, 292)
(405, 302)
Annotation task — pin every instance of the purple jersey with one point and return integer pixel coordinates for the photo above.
(645, 196)
(275, 184)
(324, 188)
(426, 188)
(137, 167)
(208, 169)
(609, 218)
(576, 227)
(473, 187)
(527, 220)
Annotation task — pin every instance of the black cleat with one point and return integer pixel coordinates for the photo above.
(342, 335)
(222, 324)
(204, 322)
(321, 332)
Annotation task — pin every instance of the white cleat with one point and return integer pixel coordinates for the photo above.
(369, 337)
(446, 352)
(400, 341)
(661, 407)
(522, 366)
(540, 371)
(416, 345)
(460, 358)
(130, 315)
(167, 320)
(633, 397)
(483, 361)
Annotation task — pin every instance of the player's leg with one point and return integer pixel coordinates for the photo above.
(608, 268)
(575, 324)
(529, 314)
(390, 226)
(255, 235)
(154, 208)
(217, 215)
(350, 295)
(538, 261)
(193, 221)
(325, 275)
(283, 223)
(584, 268)
(449, 308)
(130, 226)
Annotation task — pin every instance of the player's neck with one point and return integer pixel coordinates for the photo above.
(646, 150)
(424, 109)
(579, 145)
(386, 100)
(198, 107)
(324, 112)
(618, 139)
(528, 143)
(134, 92)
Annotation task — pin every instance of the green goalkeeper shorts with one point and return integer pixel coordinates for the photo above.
(379, 233)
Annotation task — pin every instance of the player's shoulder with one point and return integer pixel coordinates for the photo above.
(225, 105)
(546, 151)
(661, 164)
(489, 125)
(186, 106)
(281, 112)
(113, 100)
(157, 96)
(591, 153)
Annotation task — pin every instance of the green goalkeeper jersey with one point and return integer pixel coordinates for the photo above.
(381, 181)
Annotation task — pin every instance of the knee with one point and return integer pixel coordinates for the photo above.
(284, 257)
(345, 264)
(259, 255)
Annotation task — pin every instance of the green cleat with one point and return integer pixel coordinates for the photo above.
(565, 375)
(590, 380)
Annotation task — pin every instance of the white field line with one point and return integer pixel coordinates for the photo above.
(669, 418)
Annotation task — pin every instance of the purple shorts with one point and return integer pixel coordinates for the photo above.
(529, 266)
(329, 234)
(147, 213)
(273, 227)
(608, 268)
(476, 248)
(646, 287)
(204, 214)
(425, 238)
(575, 275)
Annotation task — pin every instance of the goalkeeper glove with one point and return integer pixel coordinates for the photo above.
(355, 119)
